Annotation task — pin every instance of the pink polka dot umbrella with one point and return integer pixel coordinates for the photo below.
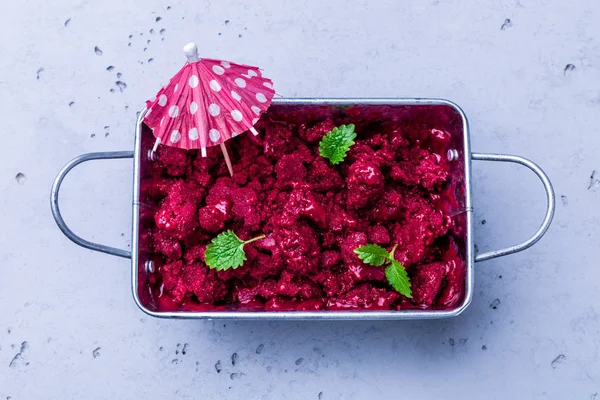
(208, 102)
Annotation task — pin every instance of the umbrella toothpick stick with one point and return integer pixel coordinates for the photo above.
(227, 160)
(156, 143)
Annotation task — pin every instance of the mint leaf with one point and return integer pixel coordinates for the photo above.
(395, 273)
(226, 251)
(372, 254)
(336, 143)
(398, 278)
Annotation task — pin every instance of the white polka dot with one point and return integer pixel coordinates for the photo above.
(194, 81)
(193, 134)
(193, 107)
(214, 85)
(225, 64)
(236, 115)
(234, 134)
(214, 135)
(240, 82)
(235, 95)
(254, 121)
(162, 100)
(261, 97)
(268, 84)
(173, 111)
(175, 136)
(217, 69)
(255, 109)
(161, 121)
(251, 73)
(176, 87)
(214, 109)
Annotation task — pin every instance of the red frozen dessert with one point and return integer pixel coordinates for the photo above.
(394, 188)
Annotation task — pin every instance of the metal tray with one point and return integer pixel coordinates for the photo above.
(462, 155)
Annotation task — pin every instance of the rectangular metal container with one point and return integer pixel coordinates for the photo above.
(461, 154)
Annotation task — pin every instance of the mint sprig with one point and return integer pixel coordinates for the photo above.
(227, 251)
(337, 142)
(395, 272)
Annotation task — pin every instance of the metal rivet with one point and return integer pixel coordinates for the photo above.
(151, 155)
(452, 155)
(149, 266)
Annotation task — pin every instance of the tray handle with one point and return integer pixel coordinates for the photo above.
(108, 155)
(550, 207)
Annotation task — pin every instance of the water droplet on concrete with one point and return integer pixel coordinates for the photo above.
(568, 68)
(558, 361)
(494, 304)
(594, 181)
(121, 85)
(507, 24)
(21, 178)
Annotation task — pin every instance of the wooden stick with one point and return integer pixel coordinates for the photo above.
(156, 143)
(227, 160)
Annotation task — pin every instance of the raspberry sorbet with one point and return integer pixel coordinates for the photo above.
(395, 186)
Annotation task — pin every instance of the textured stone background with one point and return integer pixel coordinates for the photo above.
(526, 73)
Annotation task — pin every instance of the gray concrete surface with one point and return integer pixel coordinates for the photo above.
(68, 326)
